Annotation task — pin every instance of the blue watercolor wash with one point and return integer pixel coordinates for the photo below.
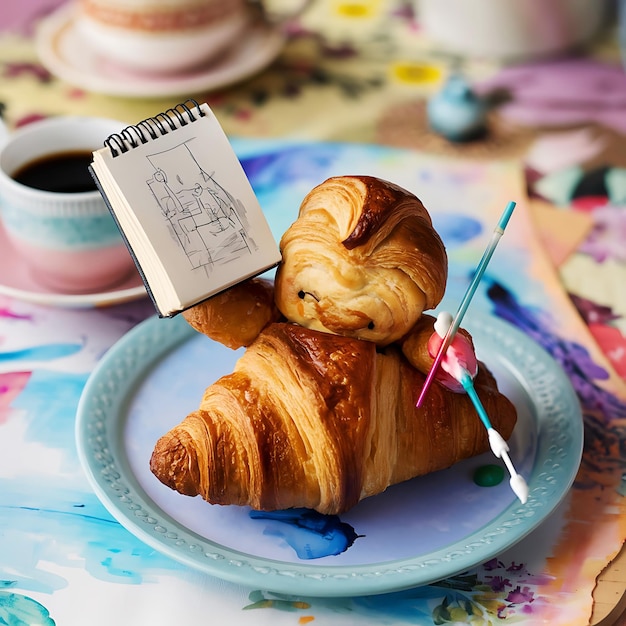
(84, 537)
(19, 610)
(268, 171)
(118, 556)
(34, 509)
(456, 230)
(52, 423)
(311, 534)
(49, 352)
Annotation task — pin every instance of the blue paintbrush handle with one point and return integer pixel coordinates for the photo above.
(468, 385)
(467, 298)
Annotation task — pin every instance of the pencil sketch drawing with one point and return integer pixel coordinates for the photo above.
(207, 222)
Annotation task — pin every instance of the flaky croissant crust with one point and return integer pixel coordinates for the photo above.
(308, 419)
(362, 260)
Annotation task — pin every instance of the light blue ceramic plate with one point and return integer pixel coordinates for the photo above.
(413, 534)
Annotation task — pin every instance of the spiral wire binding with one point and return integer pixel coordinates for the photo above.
(153, 127)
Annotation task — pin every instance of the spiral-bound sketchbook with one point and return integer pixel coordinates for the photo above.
(184, 206)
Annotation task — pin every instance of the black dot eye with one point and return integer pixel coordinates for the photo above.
(371, 325)
(301, 295)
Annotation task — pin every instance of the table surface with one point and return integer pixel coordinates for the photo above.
(355, 72)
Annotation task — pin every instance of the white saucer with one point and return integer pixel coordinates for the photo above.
(64, 52)
(17, 282)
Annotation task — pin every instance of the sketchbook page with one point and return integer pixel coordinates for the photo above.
(191, 198)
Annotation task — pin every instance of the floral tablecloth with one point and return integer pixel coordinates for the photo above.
(352, 73)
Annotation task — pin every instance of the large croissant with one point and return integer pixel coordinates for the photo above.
(321, 413)
(309, 419)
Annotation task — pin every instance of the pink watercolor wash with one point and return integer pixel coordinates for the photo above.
(562, 93)
(11, 385)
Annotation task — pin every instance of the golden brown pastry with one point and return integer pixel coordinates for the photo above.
(235, 317)
(362, 260)
(308, 419)
(319, 411)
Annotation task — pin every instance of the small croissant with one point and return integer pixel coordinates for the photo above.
(319, 411)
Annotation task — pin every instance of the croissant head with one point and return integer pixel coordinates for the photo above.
(362, 260)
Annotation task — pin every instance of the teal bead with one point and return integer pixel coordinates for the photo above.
(488, 475)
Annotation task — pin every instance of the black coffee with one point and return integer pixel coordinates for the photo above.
(61, 172)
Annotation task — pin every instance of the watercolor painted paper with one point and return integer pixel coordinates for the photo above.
(65, 560)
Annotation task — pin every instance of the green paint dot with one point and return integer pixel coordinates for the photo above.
(488, 475)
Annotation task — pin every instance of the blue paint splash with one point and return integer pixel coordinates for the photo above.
(311, 534)
(19, 610)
